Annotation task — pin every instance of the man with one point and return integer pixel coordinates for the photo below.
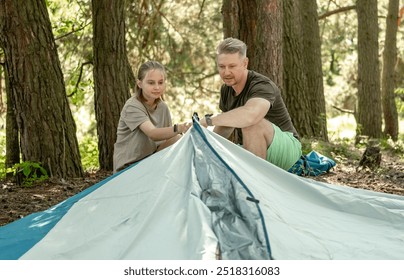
(253, 108)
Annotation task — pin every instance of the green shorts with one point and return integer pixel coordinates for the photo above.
(284, 150)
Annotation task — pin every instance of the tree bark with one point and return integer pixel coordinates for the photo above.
(268, 51)
(111, 73)
(295, 79)
(389, 62)
(313, 65)
(257, 23)
(12, 142)
(240, 21)
(12, 139)
(45, 122)
(369, 94)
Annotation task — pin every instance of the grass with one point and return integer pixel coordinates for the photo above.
(341, 145)
(88, 151)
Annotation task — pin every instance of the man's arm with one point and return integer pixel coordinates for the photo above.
(251, 113)
(223, 131)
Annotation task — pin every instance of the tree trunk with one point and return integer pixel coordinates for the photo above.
(240, 21)
(389, 63)
(45, 122)
(12, 143)
(111, 73)
(257, 23)
(313, 65)
(295, 79)
(369, 94)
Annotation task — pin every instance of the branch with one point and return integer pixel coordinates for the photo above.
(201, 10)
(79, 78)
(71, 32)
(344, 110)
(340, 10)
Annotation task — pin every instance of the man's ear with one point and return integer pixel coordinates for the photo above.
(246, 62)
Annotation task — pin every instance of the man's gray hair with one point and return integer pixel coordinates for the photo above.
(232, 45)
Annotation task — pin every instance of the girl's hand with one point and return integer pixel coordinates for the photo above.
(183, 127)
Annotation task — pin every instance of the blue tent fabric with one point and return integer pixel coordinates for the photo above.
(18, 237)
(206, 198)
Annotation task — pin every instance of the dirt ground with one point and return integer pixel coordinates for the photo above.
(17, 202)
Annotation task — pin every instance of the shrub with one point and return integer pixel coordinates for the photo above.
(28, 173)
(89, 153)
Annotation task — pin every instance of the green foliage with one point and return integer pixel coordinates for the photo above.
(339, 53)
(89, 153)
(339, 44)
(32, 172)
(396, 148)
(78, 86)
(183, 36)
(72, 29)
(29, 173)
(400, 101)
(342, 150)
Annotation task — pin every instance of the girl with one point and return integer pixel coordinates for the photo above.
(145, 125)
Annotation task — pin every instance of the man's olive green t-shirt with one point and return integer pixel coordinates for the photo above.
(258, 86)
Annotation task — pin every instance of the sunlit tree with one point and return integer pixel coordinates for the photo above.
(295, 79)
(389, 62)
(110, 73)
(313, 67)
(369, 94)
(45, 123)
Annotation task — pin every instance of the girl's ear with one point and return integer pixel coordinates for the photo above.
(139, 83)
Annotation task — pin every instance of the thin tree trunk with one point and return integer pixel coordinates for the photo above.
(295, 79)
(369, 94)
(12, 143)
(313, 65)
(111, 73)
(389, 62)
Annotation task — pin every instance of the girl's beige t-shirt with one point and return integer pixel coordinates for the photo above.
(132, 144)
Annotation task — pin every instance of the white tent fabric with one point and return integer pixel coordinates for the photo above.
(206, 198)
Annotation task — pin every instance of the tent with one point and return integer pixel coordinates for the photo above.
(206, 198)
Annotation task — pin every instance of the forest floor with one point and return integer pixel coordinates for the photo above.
(17, 201)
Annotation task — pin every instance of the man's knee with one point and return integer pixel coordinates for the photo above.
(262, 126)
(263, 129)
